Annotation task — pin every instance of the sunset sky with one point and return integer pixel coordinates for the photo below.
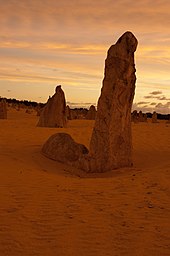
(44, 43)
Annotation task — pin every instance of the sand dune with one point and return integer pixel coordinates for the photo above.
(48, 208)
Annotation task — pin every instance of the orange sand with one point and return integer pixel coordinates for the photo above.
(46, 210)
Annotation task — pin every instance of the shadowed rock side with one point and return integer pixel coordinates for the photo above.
(134, 116)
(3, 109)
(142, 117)
(38, 110)
(68, 113)
(61, 147)
(154, 117)
(145, 119)
(54, 112)
(111, 143)
(91, 114)
(79, 113)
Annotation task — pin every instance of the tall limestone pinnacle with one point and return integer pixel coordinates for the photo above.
(111, 142)
(54, 112)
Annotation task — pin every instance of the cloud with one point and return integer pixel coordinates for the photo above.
(156, 97)
(158, 107)
(80, 104)
(144, 109)
(163, 108)
(83, 16)
(156, 92)
(149, 97)
(163, 98)
(142, 102)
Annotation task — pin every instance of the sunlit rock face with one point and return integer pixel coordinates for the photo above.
(111, 142)
(54, 112)
(3, 109)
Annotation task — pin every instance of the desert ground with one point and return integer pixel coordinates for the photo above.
(48, 208)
